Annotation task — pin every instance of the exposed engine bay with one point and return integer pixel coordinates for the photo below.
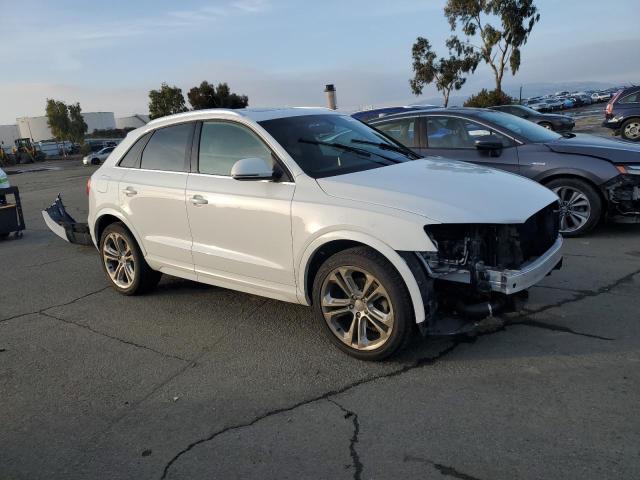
(624, 198)
(480, 270)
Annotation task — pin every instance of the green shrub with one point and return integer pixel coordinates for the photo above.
(485, 98)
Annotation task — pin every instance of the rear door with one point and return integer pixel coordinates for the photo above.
(152, 193)
(454, 137)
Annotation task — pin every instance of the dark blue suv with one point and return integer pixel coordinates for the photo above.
(623, 114)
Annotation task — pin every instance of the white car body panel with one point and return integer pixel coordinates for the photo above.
(425, 187)
(259, 236)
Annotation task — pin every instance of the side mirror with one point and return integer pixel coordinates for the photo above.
(252, 169)
(488, 142)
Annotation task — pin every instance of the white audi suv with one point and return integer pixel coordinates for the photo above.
(314, 207)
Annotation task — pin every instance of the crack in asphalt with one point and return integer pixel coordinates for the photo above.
(355, 458)
(113, 337)
(43, 310)
(443, 469)
(581, 295)
(325, 396)
(559, 328)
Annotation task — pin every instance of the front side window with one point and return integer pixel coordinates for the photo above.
(167, 148)
(457, 133)
(519, 126)
(222, 144)
(328, 145)
(402, 130)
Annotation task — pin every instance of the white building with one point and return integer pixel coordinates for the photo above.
(38, 129)
(133, 121)
(8, 133)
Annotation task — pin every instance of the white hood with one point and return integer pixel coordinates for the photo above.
(445, 191)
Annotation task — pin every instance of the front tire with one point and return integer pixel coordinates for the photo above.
(363, 304)
(546, 125)
(580, 205)
(630, 130)
(123, 262)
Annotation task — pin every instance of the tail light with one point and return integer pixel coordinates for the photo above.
(88, 185)
(609, 109)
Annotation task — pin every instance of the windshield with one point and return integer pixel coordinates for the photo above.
(327, 145)
(530, 131)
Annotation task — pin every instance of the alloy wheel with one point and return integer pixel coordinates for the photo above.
(357, 308)
(575, 208)
(118, 260)
(632, 131)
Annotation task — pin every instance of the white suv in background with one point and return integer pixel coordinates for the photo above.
(313, 207)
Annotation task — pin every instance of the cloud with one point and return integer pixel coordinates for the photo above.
(63, 43)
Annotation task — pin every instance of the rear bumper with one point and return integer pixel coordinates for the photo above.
(64, 226)
(613, 123)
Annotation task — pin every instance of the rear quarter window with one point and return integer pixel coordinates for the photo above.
(131, 159)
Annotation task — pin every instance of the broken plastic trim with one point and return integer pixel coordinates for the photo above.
(63, 224)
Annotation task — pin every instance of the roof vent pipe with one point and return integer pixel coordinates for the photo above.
(330, 90)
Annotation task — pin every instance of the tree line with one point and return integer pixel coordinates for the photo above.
(483, 40)
(168, 100)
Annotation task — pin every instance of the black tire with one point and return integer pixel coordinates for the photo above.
(546, 125)
(95, 161)
(144, 278)
(385, 274)
(594, 200)
(633, 124)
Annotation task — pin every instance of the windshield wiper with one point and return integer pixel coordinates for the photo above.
(360, 151)
(347, 148)
(386, 146)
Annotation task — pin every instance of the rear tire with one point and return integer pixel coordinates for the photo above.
(363, 304)
(630, 130)
(580, 205)
(123, 262)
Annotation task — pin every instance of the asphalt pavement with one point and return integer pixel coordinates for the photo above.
(193, 381)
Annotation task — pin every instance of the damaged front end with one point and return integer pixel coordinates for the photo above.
(64, 225)
(480, 270)
(623, 193)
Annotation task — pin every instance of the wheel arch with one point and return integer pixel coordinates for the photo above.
(576, 176)
(106, 218)
(334, 242)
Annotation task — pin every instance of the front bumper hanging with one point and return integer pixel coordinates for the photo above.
(64, 225)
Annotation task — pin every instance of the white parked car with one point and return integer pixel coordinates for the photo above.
(313, 207)
(96, 158)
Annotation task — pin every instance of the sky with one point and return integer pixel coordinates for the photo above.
(108, 55)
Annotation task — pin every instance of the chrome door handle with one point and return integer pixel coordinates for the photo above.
(130, 191)
(198, 200)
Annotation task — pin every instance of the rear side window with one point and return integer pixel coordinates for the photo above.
(631, 98)
(167, 148)
(132, 157)
(401, 130)
(223, 144)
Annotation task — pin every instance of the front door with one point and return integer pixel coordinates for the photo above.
(241, 229)
(454, 137)
(153, 197)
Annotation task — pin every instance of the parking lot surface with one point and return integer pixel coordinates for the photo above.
(193, 381)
